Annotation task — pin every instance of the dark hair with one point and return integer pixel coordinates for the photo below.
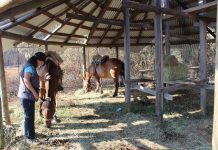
(40, 56)
(32, 61)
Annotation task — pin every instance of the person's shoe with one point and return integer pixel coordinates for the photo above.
(31, 141)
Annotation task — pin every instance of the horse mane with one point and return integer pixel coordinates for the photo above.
(54, 57)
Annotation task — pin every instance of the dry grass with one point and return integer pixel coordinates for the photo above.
(99, 121)
(91, 121)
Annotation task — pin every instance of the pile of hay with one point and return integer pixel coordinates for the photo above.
(173, 70)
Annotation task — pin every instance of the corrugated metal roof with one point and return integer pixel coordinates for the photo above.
(47, 21)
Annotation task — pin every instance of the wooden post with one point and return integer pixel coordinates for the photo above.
(158, 62)
(117, 52)
(203, 62)
(46, 47)
(215, 114)
(84, 60)
(4, 98)
(167, 32)
(127, 55)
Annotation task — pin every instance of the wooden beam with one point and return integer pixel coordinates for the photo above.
(197, 8)
(158, 61)
(76, 10)
(127, 55)
(203, 62)
(23, 38)
(79, 25)
(152, 92)
(215, 114)
(22, 8)
(139, 6)
(109, 26)
(30, 26)
(120, 32)
(202, 8)
(52, 19)
(84, 60)
(105, 5)
(94, 19)
(36, 13)
(3, 90)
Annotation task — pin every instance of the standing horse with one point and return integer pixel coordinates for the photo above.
(105, 68)
(49, 89)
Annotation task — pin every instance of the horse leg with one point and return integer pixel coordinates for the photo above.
(98, 83)
(55, 118)
(116, 87)
(101, 90)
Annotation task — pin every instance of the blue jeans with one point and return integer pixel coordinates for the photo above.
(29, 114)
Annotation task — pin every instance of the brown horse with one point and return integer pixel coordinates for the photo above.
(105, 68)
(49, 89)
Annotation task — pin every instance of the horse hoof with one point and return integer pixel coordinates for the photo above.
(115, 95)
(101, 92)
(56, 119)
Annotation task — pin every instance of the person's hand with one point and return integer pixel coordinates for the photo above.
(36, 96)
(47, 76)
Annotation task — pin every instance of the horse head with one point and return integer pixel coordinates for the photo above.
(49, 89)
(86, 82)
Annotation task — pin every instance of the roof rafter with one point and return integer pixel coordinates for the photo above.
(79, 25)
(145, 16)
(176, 13)
(134, 14)
(68, 19)
(109, 26)
(197, 9)
(10, 13)
(36, 13)
(101, 14)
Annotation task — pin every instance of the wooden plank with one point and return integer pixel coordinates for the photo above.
(127, 55)
(100, 15)
(18, 37)
(215, 114)
(139, 6)
(84, 60)
(117, 52)
(3, 90)
(36, 13)
(177, 87)
(203, 62)
(158, 61)
(141, 80)
(105, 21)
(202, 8)
(152, 92)
(22, 8)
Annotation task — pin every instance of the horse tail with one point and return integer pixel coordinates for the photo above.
(122, 74)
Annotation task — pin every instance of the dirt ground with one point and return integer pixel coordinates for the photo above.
(98, 121)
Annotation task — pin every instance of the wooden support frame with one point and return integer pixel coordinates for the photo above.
(18, 37)
(215, 116)
(167, 32)
(143, 7)
(127, 55)
(84, 61)
(158, 61)
(3, 90)
(203, 62)
(106, 21)
(117, 52)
